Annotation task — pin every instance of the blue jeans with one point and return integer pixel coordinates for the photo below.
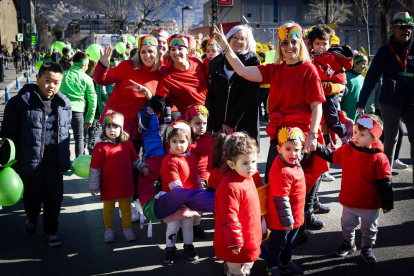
(78, 129)
(280, 247)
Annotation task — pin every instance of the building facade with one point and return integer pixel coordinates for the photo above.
(8, 24)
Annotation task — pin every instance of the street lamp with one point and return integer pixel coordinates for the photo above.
(182, 14)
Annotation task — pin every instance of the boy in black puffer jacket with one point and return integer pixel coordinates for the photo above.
(37, 120)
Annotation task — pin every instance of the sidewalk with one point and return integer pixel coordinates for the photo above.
(10, 79)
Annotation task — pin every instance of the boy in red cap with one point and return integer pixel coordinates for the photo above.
(366, 184)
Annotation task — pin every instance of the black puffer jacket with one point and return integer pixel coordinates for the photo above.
(24, 124)
(233, 101)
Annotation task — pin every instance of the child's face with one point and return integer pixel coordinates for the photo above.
(211, 52)
(179, 143)
(199, 123)
(320, 46)
(49, 83)
(290, 151)
(362, 139)
(308, 45)
(361, 66)
(112, 131)
(245, 165)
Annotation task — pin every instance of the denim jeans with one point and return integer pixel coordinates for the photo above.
(280, 247)
(78, 129)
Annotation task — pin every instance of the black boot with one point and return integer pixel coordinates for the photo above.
(170, 255)
(312, 223)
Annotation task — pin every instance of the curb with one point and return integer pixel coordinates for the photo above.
(11, 85)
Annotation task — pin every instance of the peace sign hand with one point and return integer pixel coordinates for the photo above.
(106, 56)
(220, 37)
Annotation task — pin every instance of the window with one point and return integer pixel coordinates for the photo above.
(249, 15)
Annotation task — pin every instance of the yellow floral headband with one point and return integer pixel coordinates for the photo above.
(289, 32)
(289, 134)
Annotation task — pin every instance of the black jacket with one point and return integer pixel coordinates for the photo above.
(24, 123)
(233, 101)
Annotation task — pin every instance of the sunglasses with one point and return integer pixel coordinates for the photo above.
(402, 28)
(285, 43)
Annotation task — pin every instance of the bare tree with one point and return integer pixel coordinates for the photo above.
(363, 15)
(339, 11)
(75, 40)
(120, 10)
(42, 26)
(148, 10)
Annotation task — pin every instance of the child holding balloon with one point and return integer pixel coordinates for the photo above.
(37, 120)
(111, 173)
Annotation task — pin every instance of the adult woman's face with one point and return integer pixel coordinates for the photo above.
(290, 49)
(178, 54)
(148, 54)
(162, 45)
(238, 41)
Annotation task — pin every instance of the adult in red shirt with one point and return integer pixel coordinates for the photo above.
(143, 70)
(162, 38)
(183, 83)
(295, 100)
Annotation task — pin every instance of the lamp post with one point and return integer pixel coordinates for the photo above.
(182, 15)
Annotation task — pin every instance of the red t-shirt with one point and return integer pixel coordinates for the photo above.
(122, 99)
(184, 88)
(237, 219)
(179, 167)
(292, 87)
(286, 181)
(115, 162)
(216, 176)
(360, 171)
(202, 148)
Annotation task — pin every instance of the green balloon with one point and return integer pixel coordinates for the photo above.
(94, 52)
(120, 47)
(38, 65)
(81, 165)
(11, 187)
(58, 46)
(270, 57)
(131, 39)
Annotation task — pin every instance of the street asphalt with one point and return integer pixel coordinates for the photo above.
(84, 252)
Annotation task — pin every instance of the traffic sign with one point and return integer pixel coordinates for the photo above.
(225, 3)
(19, 37)
(33, 40)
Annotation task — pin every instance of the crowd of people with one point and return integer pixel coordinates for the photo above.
(185, 119)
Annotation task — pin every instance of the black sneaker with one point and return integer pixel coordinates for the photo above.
(199, 232)
(30, 228)
(368, 256)
(345, 249)
(291, 269)
(321, 209)
(312, 223)
(190, 252)
(170, 255)
(52, 240)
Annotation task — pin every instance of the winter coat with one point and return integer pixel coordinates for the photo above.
(233, 101)
(397, 89)
(24, 123)
(237, 219)
(150, 134)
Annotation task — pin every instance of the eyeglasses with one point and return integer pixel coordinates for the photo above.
(238, 39)
(402, 28)
(285, 43)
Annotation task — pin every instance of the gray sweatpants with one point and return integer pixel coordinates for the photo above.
(391, 115)
(369, 222)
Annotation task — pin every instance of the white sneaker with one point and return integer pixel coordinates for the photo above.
(135, 216)
(326, 177)
(129, 234)
(398, 165)
(109, 235)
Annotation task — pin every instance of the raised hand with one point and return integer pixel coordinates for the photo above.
(220, 37)
(141, 89)
(106, 56)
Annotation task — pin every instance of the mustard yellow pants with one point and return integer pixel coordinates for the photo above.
(124, 206)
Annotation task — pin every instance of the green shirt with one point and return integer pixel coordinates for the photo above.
(79, 88)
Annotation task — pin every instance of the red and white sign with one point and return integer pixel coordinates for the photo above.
(225, 3)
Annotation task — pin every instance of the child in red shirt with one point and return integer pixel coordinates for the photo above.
(287, 194)
(212, 50)
(216, 175)
(178, 171)
(202, 148)
(366, 184)
(111, 173)
(238, 232)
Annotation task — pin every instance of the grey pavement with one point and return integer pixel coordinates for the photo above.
(84, 251)
(10, 79)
